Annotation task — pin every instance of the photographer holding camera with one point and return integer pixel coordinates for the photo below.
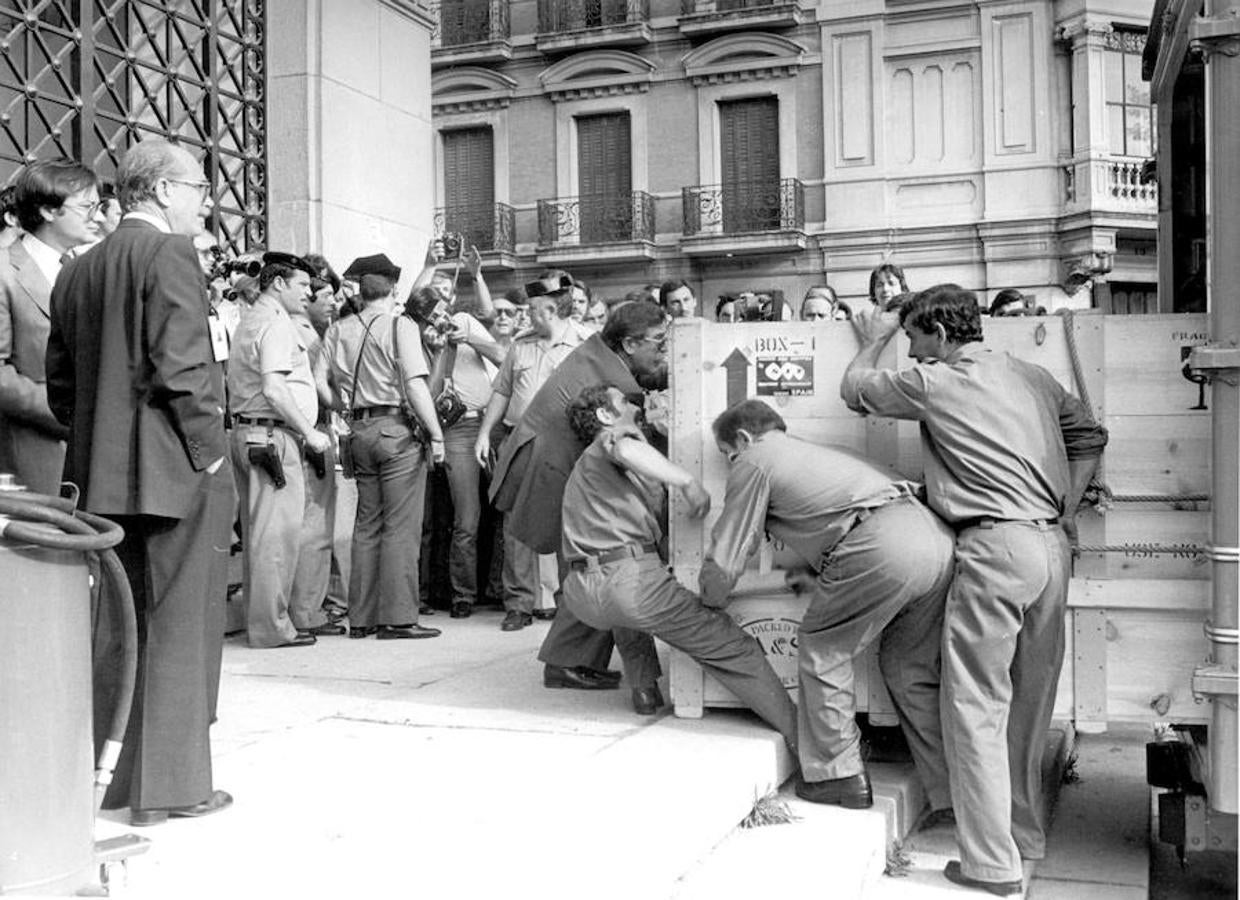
(462, 347)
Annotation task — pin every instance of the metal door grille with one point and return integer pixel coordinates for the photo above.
(88, 78)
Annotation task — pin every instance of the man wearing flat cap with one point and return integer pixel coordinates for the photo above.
(274, 407)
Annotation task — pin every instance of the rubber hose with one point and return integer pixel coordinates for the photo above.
(110, 753)
(82, 535)
(86, 532)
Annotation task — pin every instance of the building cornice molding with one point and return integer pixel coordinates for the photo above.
(470, 89)
(743, 57)
(419, 11)
(597, 73)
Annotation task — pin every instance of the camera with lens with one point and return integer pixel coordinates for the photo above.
(224, 266)
(453, 245)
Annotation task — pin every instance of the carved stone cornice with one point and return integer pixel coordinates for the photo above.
(1084, 30)
(597, 73)
(743, 57)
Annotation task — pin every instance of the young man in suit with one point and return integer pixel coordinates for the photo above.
(133, 371)
(57, 204)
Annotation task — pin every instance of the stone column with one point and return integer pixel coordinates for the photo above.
(350, 156)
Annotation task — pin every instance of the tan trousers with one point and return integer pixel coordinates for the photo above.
(1003, 638)
(271, 528)
(639, 596)
(886, 580)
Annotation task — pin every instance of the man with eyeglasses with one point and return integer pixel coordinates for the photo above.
(530, 361)
(134, 371)
(534, 464)
(57, 204)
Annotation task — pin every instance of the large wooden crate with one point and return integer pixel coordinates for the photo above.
(1135, 610)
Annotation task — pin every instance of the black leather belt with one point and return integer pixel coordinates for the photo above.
(264, 422)
(989, 522)
(628, 551)
(374, 412)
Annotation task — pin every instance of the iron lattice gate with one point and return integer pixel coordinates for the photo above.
(87, 78)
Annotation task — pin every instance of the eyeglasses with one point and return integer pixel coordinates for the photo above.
(88, 211)
(507, 313)
(816, 315)
(203, 186)
(660, 342)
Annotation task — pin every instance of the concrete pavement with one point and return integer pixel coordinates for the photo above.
(443, 769)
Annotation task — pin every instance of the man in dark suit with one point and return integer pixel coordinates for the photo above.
(57, 203)
(537, 458)
(133, 369)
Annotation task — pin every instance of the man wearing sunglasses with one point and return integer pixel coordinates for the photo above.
(534, 464)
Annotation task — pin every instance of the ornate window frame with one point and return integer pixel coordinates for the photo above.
(594, 82)
(739, 67)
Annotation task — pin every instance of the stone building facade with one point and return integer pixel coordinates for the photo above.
(778, 144)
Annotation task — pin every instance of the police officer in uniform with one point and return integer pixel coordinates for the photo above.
(375, 364)
(271, 396)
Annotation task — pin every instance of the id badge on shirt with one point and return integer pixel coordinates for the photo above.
(219, 338)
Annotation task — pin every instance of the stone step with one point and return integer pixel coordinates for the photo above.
(828, 851)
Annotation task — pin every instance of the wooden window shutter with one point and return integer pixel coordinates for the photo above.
(469, 184)
(605, 177)
(749, 152)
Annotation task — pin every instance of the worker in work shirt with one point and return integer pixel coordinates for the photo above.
(617, 579)
(882, 564)
(1008, 453)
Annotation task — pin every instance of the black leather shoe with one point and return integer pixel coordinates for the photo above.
(327, 629)
(303, 639)
(581, 679)
(461, 610)
(515, 620)
(362, 631)
(544, 614)
(852, 792)
(647, 701)
(405, 632)
(998, 888)
(218, 800)
(608, 675)
(425, 609)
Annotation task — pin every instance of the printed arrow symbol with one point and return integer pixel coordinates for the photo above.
(737, 366)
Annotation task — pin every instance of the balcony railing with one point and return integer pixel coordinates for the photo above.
(463, 22)
(744, 208)
(690, 7)
(1124, 183)
(1108, 184)
(559, 16)
(489, 228)
(596, 219)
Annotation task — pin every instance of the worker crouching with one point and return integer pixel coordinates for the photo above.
(617, 578)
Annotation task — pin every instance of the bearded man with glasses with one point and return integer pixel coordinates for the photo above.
(533, 467)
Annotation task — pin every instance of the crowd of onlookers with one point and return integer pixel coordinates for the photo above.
(462, 558)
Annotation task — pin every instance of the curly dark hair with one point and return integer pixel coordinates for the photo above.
(752, 415)
(948, 305)
(581, 412)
